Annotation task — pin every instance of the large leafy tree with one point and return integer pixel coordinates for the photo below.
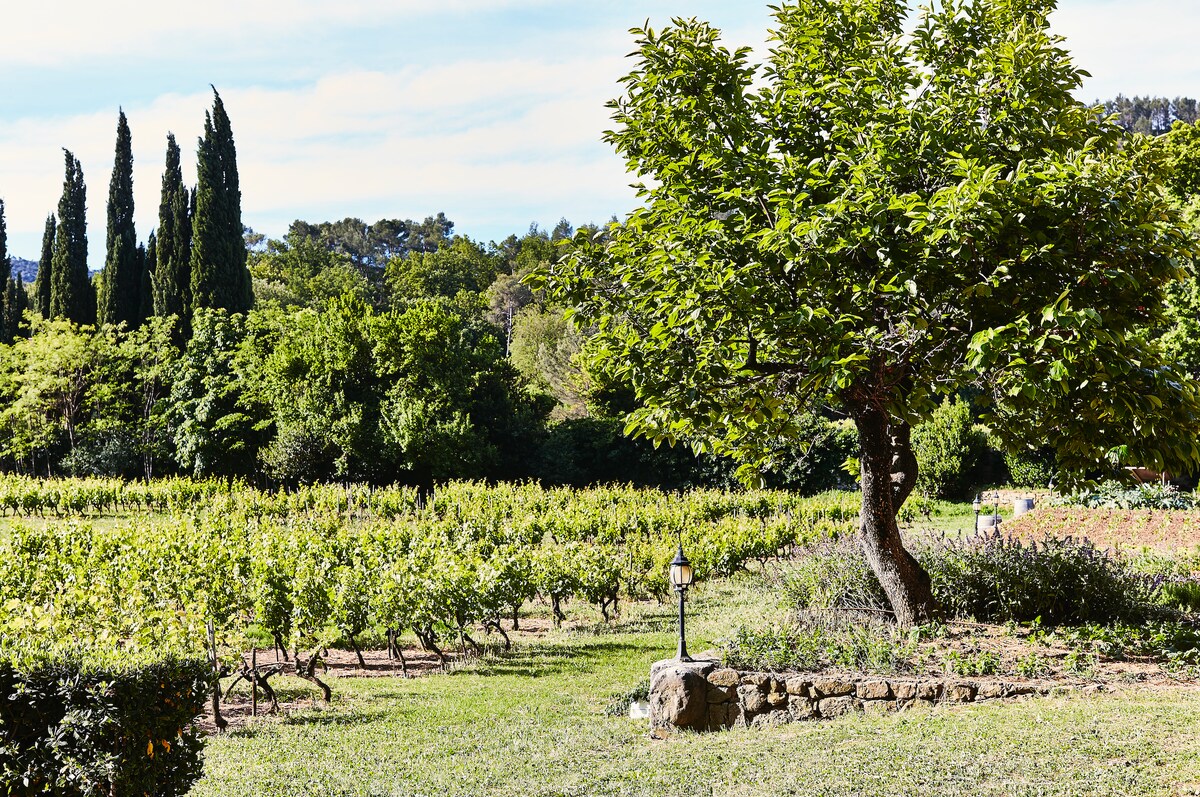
(52, 386)
(300, 271)
(459, 265)
(219, 277)
(71, 293)
(454, 406)
(216, 428)
(874, 219)
(121, 300)
(316, 371)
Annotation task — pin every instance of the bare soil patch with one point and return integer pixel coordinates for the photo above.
(1160, 529)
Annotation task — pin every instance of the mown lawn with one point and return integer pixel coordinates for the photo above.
(534, 723)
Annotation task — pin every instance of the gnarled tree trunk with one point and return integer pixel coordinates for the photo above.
(889, 471)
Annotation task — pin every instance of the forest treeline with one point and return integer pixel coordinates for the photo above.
(393, 351)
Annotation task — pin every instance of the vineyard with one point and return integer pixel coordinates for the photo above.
(209, 566)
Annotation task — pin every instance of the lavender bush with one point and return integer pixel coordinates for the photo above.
(989, 577)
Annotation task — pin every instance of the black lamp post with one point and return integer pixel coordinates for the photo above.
(681, 576)
(977, 504)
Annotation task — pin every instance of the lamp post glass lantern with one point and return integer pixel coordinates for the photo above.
(681, 576)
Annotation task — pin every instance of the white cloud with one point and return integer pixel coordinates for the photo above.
(516, 133)
(1146, 47)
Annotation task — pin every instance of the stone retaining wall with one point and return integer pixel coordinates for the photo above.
(702, 695)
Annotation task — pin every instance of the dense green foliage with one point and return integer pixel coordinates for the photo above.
(74, 728)
(1114, 495)
(1030, 467)
(173, 242)
(946, 447)
(992, 577)
(729, 284)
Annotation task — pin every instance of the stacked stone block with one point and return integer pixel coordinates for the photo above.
(704, 696)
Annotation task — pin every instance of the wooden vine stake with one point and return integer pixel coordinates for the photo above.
(218, 720)
(254, 682)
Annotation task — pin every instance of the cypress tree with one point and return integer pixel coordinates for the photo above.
(219, 274)
(173, 254)
(71, 293)
(146, 256)
(14, 307)
(45, 272)
(6, 332)
(122, 295)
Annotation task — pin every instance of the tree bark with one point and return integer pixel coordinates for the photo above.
(888, 474)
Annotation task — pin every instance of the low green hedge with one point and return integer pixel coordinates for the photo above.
(74, 729)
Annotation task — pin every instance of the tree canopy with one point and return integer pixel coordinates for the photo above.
(876, 218)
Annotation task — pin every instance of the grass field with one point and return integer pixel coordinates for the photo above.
(534, 723)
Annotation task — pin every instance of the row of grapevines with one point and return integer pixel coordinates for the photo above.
(308, 568)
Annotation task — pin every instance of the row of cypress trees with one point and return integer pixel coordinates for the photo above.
(195, 259)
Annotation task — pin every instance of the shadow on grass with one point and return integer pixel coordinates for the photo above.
(548, 660)
(336, 718)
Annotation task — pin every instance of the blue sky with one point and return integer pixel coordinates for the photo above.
(488, 110)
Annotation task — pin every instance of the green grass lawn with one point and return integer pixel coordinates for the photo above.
(534, 723)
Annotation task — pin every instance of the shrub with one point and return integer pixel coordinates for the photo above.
(832, 575)
(1114, 495)
(72, 729)
(820, 640)
(1033, 468)
(993, 577)
(987, 577)
(946, 449)
(983, 662)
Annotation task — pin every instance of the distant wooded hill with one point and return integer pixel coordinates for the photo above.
(26, 268)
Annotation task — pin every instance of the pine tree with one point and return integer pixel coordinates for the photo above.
(122, 298)
(45, 272)
(71, 293)
(6, 331)
(220, 278)
(173, 253)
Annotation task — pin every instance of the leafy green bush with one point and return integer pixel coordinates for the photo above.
(983, 662)
(822, 640)
(987, 577)
(73, 729)
(993, 577)
(946, 448)
(1033, 468)
(1114, 495)
(832, 575)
